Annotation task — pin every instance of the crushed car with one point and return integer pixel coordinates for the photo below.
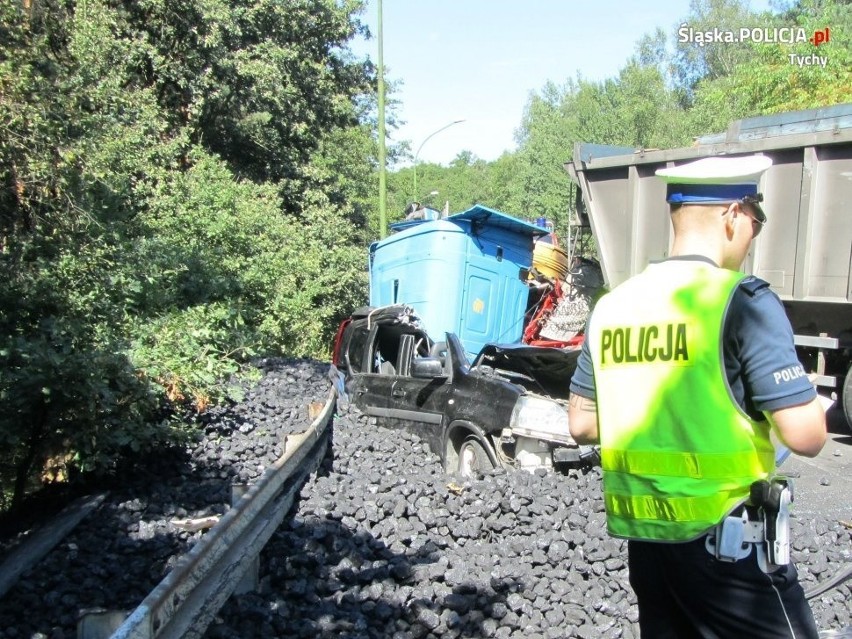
(508, 408)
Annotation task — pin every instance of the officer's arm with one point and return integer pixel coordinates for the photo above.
(582, 419)
(800, 428)
(774, 377)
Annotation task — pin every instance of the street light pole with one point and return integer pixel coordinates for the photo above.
(446, 126)
(383, 192)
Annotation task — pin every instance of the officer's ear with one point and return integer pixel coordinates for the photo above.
(730, 216)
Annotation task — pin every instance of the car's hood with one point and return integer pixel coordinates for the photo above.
(551, 368)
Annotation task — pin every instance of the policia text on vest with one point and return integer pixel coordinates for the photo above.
(640, 344)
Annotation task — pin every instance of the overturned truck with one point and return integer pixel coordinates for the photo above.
(805, 250)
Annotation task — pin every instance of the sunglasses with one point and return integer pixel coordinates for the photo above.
(756, 225)
(748, 202)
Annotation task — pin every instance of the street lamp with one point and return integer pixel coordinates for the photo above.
(383, 190)
(446, 126)
(430, 198)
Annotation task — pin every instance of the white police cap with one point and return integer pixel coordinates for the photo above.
(717, 180)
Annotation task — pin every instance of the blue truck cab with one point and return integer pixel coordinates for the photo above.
(464, 274)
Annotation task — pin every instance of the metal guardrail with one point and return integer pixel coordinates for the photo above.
(184, 603)
(45, 539)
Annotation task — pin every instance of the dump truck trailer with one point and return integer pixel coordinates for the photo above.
(804, 251)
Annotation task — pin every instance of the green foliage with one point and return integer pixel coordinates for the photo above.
(544, 145)
(194, 353)
(66, 384)
(633, 110)
(68, 389)
(174, 186)
(258, 83)
(771, 82)
(467, 181)
(693, 62)
(322, 282)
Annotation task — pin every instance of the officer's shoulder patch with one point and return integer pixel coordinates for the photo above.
(753, 285)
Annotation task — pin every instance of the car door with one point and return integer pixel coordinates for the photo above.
(372, 378)
(419, 394)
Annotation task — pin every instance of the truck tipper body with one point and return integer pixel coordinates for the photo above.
(805, 249)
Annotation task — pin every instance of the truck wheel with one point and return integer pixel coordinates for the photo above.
(847, 398)
(473, 460)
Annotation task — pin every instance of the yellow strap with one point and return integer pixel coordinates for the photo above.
(693, 465)
(663, 508)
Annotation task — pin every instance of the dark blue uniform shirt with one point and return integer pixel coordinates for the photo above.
(761, 363)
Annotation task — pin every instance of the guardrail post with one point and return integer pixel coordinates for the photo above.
(99, 623)
(250, 580)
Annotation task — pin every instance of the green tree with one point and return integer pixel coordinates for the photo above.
(636, 109)
(696, 61)
(174, 185)
(544, 145)
(775, 77)
(71, 144)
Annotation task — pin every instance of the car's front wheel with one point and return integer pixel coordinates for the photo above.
(473, 459)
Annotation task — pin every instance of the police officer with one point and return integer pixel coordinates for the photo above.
(685, 369)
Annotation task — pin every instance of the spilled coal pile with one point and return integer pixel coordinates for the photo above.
(383, 543)
(120, 552)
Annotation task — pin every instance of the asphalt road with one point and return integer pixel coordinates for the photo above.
(823, 484)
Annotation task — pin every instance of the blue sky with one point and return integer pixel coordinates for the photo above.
(478, 60)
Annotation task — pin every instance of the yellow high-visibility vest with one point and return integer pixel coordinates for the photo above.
(677, 451)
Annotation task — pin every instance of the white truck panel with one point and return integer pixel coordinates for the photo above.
(805, 249)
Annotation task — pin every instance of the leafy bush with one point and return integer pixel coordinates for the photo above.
(66, 384)
(158, 195)
(194, 354)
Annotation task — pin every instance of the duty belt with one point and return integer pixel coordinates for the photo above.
(763, 522)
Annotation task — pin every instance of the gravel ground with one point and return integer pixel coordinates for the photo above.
(119, 553)
(381, 543)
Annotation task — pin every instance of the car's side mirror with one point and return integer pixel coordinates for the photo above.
(427, 367)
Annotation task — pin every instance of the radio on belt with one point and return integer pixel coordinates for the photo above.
(773, 497)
